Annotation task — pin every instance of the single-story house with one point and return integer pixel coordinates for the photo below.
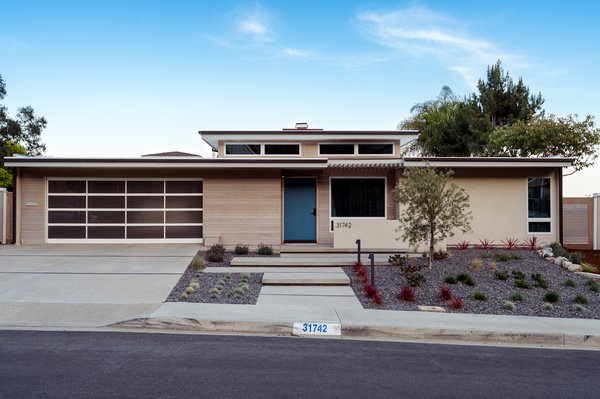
(298, 185)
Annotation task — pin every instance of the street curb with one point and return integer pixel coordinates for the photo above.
(466, 336)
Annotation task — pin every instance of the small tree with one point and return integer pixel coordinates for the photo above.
(434, 206)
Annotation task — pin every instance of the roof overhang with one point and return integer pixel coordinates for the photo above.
(489, 162)
(212, 137)
(167, 163)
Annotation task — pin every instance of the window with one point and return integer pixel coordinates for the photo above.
(375, 149)
(242, 149)
(358, 197)
(336, 149)
(282, 149)
(538, 205)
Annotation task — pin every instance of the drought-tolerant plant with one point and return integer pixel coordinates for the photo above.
(479, 296)
(377, 299)
(466, 279)
(493, 266)
(581, 299)
(509, 305)
(593, 285)
(450, 280)
(558, 250)
(456, 303)
(406, 294)
(551, 296)
(440, 255)
(519, 283)
(445, 293)
(548, 306)
(570, 283)
(183, 296)
(501, 257)
(189, 290)
(227, 276)
(475, 264)
(239, 291)
(510, 243)
(517, 274)
(588, 268)
(575, 257)
(357, 266)
(246, 276)
(370, 290)
(462, 245)
(241, 249)
(516, 297)
(264, 249)
(539, 281)
(501, 275)
(194, 285)
(396, 260)
(214, 290)
(486, 255)
(485, 244)
(215, 253)
(197, 275)
(197, 263)
(580, 308)
(412, 274)
(532, 243)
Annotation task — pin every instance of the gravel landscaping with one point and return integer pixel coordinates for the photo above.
(232, 287)
(389, 279)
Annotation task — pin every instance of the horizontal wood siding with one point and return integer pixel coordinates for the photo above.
(32, 202)
(578, 222)
(243, 208)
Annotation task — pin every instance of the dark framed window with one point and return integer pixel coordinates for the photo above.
(242, 149)
(375, 149)
(336, 149)
(282, 149)
(358, 197)
(539, 205)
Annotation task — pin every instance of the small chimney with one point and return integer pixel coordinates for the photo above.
(301, 125)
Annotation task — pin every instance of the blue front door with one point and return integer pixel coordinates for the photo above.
(300, 209)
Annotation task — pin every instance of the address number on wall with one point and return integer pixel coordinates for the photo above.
(343, 225)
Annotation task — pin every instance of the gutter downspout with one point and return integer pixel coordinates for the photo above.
(560, 205)
(14, 207)
(596, 244)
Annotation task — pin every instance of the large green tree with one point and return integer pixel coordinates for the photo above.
(549, 136)
(18, 135)
(434, 206)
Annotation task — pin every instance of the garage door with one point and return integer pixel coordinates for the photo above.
(132, 210)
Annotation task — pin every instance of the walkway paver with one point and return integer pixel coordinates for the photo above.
(306, 279)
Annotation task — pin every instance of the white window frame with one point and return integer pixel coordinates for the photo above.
(262, 150)
(125, 224)
(385, 193)
(543, 220)
(355, 153)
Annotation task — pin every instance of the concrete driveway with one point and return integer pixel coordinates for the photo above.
(92, 274)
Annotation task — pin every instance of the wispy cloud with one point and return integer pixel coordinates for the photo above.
(417, 31)
(294, 52)
(256, 27)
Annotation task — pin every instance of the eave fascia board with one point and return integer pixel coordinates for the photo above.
(492, 163)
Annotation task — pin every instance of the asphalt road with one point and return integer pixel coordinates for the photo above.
(99, 365)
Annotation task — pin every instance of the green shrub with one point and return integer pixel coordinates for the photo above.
(570, 283)
(586, 267)
(215, 253)
(580, 308)
(485, 255)
(450, 280)
(239, 291)
(440, 255)
(558, 250)
(575, 257)
(466, 279)
(241, 249)
(593, 285)
(215, 295)
(581, 299)
(397, 260)
(264, 249)
(214, 290)
(517, 274)
(551, 296)
(516, 297)
(548, 306)
(522, 284)
(480, 296)
(246, 275)
(194, 285)
(539, 281)
(197, 263)
(508, 305)
(501, 257)
(501, 275)
(412, 274)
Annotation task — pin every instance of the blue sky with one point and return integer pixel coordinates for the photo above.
(124, 78)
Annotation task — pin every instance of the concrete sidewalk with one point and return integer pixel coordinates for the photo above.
(376, 324)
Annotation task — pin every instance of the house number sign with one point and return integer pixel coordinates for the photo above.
(307, 328)
(343, 225)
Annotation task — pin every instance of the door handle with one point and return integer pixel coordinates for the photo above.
(314, 212)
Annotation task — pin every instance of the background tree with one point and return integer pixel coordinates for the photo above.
(434, 206)
(18, 135)
(549, 136)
